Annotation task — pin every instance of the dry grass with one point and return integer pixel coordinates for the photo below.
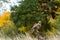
(27, 37)
(18, 37)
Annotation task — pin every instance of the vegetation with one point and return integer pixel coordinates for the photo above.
(7, 27)
(23, 17)
(30, 12)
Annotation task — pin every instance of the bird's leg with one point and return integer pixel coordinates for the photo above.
(39, 36)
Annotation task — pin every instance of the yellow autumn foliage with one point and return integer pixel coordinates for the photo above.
(49, 33)
(48, 16)
(57, 0)
(5, 15)
(52, 21)
(1, 24)
(4, 18)
(55, 6)
(57, 12)
(52, 32)
(22, 29)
